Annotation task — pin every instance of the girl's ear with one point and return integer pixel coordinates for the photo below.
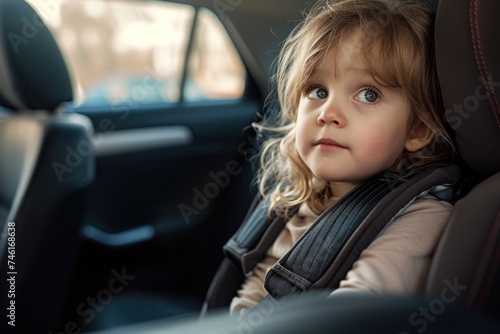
(419, 138)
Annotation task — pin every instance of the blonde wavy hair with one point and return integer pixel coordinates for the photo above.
(398, 52)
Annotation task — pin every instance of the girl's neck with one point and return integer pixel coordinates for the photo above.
(339, 189)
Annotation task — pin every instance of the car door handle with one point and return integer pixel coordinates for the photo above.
(119, 239)
(136, 140)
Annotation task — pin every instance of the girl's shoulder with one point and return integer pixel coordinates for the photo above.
(430, 203)
(423, 213)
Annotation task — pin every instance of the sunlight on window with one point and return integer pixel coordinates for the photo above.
(133, 52)
(213, 74)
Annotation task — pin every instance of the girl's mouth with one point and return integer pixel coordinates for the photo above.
(328, 144)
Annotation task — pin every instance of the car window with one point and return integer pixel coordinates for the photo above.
(143, 52)
(213, 73)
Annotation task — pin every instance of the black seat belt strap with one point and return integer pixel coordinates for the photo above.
(249, 244)
(328, 249)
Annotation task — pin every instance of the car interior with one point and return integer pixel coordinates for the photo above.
(114, 216)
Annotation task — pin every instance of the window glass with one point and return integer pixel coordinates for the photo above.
(123, 52)
(215, 70)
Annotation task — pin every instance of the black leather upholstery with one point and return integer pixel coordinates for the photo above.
(469, 252)
(46, 163)
(468, 62)
(34, 74)
(468, 59)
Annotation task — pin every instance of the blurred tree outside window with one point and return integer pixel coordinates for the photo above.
(134, 52)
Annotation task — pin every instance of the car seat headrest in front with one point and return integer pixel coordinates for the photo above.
(34, 74)
(467, 55)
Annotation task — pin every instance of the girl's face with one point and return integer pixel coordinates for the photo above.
(348, 127)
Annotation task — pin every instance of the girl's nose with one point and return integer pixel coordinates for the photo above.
(331, 113)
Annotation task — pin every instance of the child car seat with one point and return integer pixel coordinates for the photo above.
(345, 234)
(468, 62)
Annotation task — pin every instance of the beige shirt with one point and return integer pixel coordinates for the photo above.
(397, 261)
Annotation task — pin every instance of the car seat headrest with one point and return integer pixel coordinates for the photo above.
(468, 63)
(33, 71)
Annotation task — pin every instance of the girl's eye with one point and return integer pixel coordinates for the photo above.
(368, 95)
(317, 93)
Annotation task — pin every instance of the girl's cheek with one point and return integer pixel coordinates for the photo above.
(375, 145)
(382, 150)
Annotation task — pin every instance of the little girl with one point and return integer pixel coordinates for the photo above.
(359, 96)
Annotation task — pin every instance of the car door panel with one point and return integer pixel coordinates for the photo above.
(203, 140)
(157, 193)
